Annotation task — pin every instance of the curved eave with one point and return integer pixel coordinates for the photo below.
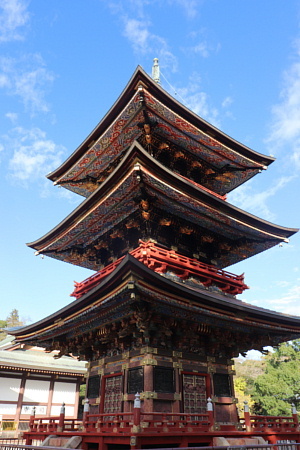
(131, 268)
(136, 154)
(141, 76)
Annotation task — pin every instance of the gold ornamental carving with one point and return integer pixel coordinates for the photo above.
(177, 365)
(148, 395)
(211, 359)
(211, 369)
(148, 350)
(149, 362)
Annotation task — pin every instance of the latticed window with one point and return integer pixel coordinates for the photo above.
(93, 390)
(164, 379)
(222, 385)
(135, 381)
(113, 394)
(194, 393)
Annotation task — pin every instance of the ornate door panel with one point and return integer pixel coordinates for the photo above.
(113, 394)
(194, 393)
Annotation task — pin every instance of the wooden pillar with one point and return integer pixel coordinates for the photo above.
(50, 396)
(176, 403)
(20, 400)
(76, 404)
(148, 387)
(210, 411)
(247, 416)
(61, 424)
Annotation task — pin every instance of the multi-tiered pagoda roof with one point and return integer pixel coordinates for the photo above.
(160, 315)
(170, 132)
(152, 169)
(155, 177)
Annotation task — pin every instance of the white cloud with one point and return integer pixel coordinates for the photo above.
(29, 86)
(13, 117)
(198, 101)
(144, 42)
(202, 49)
(189, 6)
(136, 27)
(227, 102)
(4, 80)
(13, 16)
(32, 154)
(289, 303)
(27, 78)
(256, 202)
(138, 34)
(285, 125)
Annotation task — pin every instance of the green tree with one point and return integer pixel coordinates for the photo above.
(3, 324)
(246, 373)
(13, 319)
(241, 392)
(279, 387)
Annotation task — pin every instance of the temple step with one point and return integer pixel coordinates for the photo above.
(229, 442)
(60, 441)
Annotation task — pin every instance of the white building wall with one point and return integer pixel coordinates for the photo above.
(10, 389)
(36, 391)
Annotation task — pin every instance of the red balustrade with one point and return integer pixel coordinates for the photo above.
(157, 422)
(273, 423)
(161, 260)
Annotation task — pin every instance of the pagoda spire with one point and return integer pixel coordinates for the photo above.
(155, 71)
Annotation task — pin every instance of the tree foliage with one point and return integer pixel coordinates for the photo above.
(242, 393)
(246, 373)
(11, 321)
(279, 387)
(3, 324)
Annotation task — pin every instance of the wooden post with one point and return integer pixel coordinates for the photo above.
(247, 416)
(31, 419)
(295, 416)
(137, 410)
(134, 439)
(61, 423)
(210, 410)
(86, 410)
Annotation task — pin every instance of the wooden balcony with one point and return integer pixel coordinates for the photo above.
(162, 260)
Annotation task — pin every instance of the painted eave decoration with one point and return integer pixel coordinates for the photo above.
(115, 296)
(194, 145)
(119, 201)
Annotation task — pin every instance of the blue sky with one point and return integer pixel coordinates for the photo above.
(63, 63)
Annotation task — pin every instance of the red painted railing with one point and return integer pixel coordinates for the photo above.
(54, 424)
(161, 260)
(273, 423)
(123, 423)
(156, 422)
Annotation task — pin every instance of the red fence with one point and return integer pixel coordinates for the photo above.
(159, 423)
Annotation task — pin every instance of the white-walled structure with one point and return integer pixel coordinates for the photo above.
(30, 377)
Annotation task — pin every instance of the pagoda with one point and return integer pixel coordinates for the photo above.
(159, 321)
